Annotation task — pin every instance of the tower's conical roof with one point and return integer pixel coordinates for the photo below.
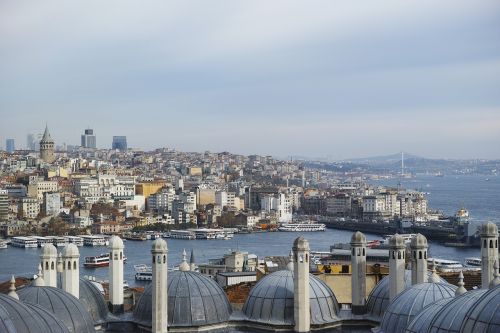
(46, 135)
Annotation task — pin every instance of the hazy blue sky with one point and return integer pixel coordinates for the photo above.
(316, 78)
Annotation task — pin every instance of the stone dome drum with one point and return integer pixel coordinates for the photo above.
(193, 300)
(378, 300)
(358, 237)
(489, 229)
(271, 300)
(115, 243)
(397, 241)
(410, 302)
(418, 241)
(70, 250)
(66, 307)
(17, 317)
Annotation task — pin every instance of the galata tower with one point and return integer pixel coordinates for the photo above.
(47, 147)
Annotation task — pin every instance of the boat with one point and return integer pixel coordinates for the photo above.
(373, 243)
(78, 241)
(302, 227)
(101, 260)
(42, 240)
(182, 234)
(204, 233)
(58, 241)
(24, 242)
(406, 238)
(3, 245)
(445, 265)
(135, 236)
(93, 240)
(143, 272)
(471, 261)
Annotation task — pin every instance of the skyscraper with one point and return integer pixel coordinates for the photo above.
(30, 142)
(89, 139)
(9, 145)
(119, 142)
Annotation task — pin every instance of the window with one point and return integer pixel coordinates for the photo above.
(363, 252)
(399, 254)
(46, 265)
(69, 264)
(491, 243)
(153, 259)
(164, 258)
(74, 264)
(419, 254)
(52, 265)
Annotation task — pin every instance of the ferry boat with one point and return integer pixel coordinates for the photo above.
(406, 237)
(58, 241)
(3, 245)
(151, 235)
(24, 242)
(98, 261)
(135, 236)
(302, 227)
(182, 234)
(42, 240)
(444, 265)
(78, 241)
(143, 272)
(203, 233)
(93, 240)
(473, 261)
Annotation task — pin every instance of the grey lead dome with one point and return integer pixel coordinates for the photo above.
(93, 301)
(193, 300)
(484, 314)
(271, 300)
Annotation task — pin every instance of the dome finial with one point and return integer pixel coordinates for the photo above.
(434, 276)
(184, 266)
(461, 289)
(289, 266)
(496, 275)
(12, 289)
(39, 282)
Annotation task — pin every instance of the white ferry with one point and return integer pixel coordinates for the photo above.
(42, 240)
(58, 241)
(182, 234)
(3, 244)
(25, 242)
(143, 272)
(203, 233)
(302, 227)
(93, 240)
(98, 261)
(444, 265)
(78, 241)
(473, 261)
(406, 237)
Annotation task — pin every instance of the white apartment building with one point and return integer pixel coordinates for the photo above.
(30, 207)
(227, 199)
(373, 204)
(52, 202)
(279, 204)
(105, 187)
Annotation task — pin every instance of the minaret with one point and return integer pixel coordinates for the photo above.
(301, 302)
(184, 266)
(159, 283)
(115, 274)
(489, 252)
(48, 260)
(358, 272)
(192, 265)
(461, 289)
(396, 266)
(47, 147)
(418, 247)
(12, 289)
(71, 270)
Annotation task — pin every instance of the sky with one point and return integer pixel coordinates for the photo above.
(336, 79)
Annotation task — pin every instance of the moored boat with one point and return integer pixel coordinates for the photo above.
(302, 227)
(98, 261)
(473, 261)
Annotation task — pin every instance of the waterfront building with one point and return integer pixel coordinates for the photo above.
(119, 143)
(339, 205)
(10, 146)
(47, 147)
(88, 139)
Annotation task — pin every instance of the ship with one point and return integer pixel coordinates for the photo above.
(101, 260)
(302, 227)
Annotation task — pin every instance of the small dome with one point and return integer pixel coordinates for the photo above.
(70, 250)
(49, 250)
(66, 307)
(193, 300)
(378, 301)
(451, 316)
(115, 243)
(422, 320)
(301, 243)
(418, 241)
(17, 317)
(93, 301)
(159, 245)
(358, 237)
(489, 229)
(410, 302)
(484, 315)
(397, 241)
(271, 300)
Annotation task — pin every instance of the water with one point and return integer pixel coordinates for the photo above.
(447, 194)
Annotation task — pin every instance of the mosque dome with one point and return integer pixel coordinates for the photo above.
(418, 241)
(70, 250)
(358, 237)
(93, 301)
(489, 229)
(66, 307)
(378, 300)
(271, 300)
(17, 317)
(451, 316)
(193, 300)
(483, 315)
(422, 320)
(410, 302)
(159, 245)
(49, 250)
(397, 241)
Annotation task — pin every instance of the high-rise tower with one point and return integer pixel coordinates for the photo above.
(47, 147)
(88, 139)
